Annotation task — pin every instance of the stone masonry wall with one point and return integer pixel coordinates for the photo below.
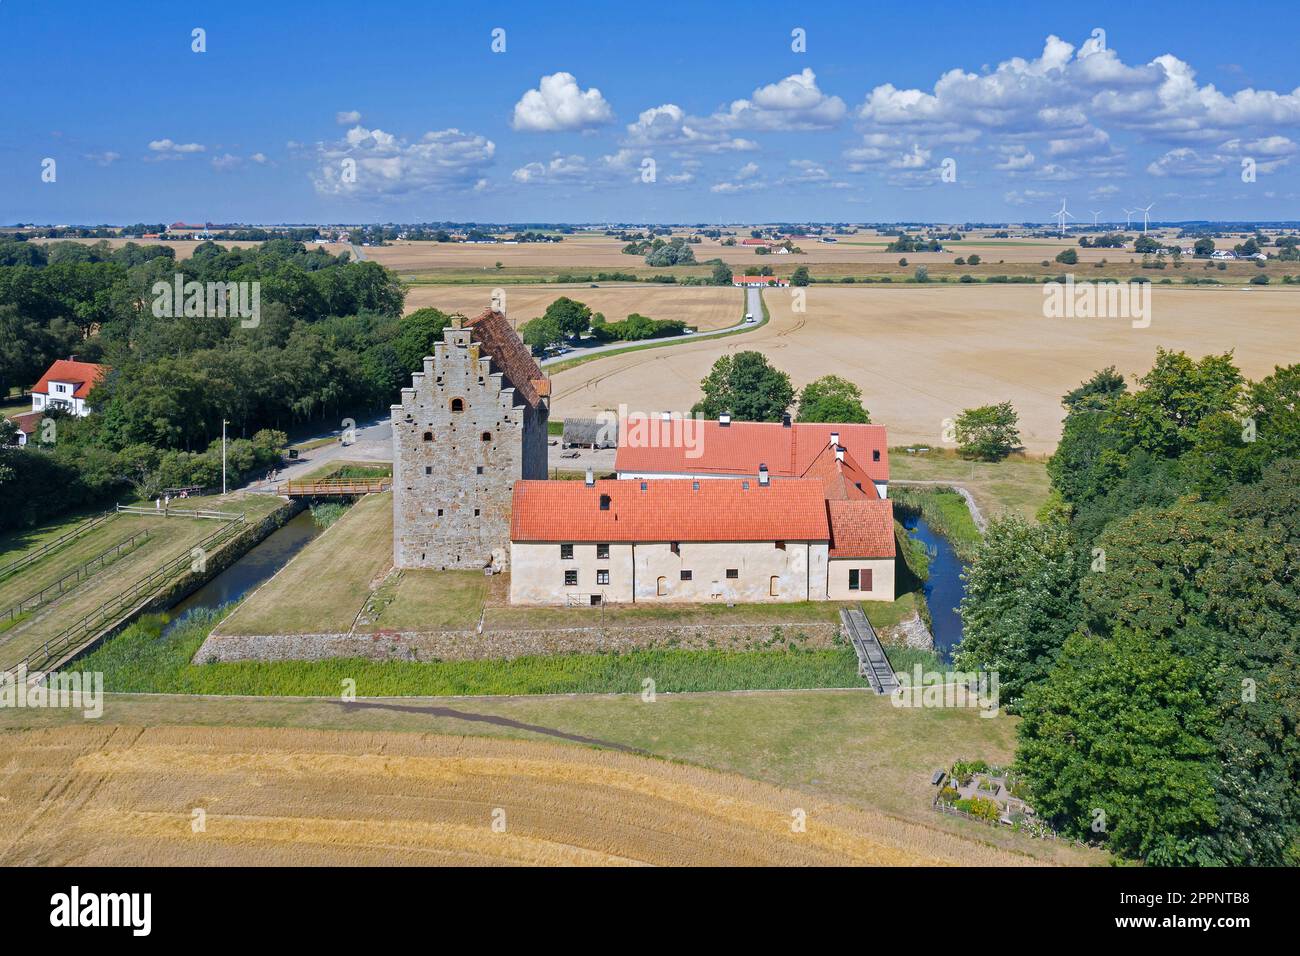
(459, 443)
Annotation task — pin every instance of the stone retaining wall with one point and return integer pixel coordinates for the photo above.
(497, 645)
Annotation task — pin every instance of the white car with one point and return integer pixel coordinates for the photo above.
(749, 316)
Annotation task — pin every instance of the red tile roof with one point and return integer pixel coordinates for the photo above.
(28, 421)
(862, 529)
(669, 510)
(842, 480)
(739, 448)
(84, 374)
(512, 358)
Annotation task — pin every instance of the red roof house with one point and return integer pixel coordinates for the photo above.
(66, 384)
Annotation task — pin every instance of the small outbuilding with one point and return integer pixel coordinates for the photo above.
(591, 432)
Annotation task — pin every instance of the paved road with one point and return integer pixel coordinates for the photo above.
(372, 441)
(754, 306)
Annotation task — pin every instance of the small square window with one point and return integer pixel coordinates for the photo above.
(780, 545)
(570, 578)
(566, 552)
(478, 470)
(686, 575)
(675, 547)
(602, 577)
(602, 552)
(475, 512)
(733, 574)
(439, 512)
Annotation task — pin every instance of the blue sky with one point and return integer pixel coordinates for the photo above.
(1103, 106)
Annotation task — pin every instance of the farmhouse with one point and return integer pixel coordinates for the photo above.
(65, 385)
(749, 512)
(824, 536)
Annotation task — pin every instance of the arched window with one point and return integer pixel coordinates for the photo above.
(458, 404)
(428, 436)
(486, 436)
(661, 587)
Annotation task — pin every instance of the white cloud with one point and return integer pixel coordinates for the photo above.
(226, 162)
(577, 169)
(387, 165)
(669, 126)
(259, 158)
(916, 159)
(558, 104)
(1185, 161)
(1015, 157)
(169, 149)
(794, 103)
(748, 171)
(106, 158)
(1065, 96)
(347, 117)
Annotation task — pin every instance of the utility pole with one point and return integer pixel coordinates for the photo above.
(224, 423)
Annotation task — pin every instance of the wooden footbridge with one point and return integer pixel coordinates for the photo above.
(325, 487)
(872, 662)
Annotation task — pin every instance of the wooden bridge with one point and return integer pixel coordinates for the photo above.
(872, 662)
(324, 487)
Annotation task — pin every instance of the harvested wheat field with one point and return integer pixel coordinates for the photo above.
(702, 307)
(923, 354)
(104, 796)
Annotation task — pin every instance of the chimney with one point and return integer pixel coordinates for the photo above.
(835, 439)
(724, 419)
(785, 420)
(590, 480)
(839, 453)
(666, 416)
(763, 476)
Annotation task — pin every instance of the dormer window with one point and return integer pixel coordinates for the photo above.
(604, 502)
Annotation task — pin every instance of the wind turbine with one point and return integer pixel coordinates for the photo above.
(1095, 214)
(1061, 216)
(1146, 217)
(1128, 218)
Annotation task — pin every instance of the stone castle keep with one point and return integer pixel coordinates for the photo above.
(471, 424)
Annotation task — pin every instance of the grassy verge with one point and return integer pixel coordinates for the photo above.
(1018, 484)
(945, 512)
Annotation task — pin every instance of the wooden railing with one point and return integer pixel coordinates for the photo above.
(313, 487)
(54, 545)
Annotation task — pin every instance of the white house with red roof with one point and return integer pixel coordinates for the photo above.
(66, 385)
(807, 523)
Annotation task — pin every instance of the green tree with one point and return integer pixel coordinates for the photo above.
(721, 273)
(989, 432)
(1115, 744)
(1067, 257)
(1020, 603)
(541, 333)
(748, 387)
(1203, 246)
(832, 399)
(800, 277)
(571, 317)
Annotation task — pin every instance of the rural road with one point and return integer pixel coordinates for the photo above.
(754, 306)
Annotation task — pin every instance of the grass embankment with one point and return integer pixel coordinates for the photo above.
(142, 660)
(945, 511)
(1018, 484)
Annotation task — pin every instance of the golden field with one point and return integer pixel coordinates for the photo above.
(702, 307)
(100, 795)
(922, 354)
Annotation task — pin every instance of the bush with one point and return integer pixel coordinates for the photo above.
(1260, 279)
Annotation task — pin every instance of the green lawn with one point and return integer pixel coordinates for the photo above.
(945, 512)
(1019, 484)
(326, 584)
(424, 600)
